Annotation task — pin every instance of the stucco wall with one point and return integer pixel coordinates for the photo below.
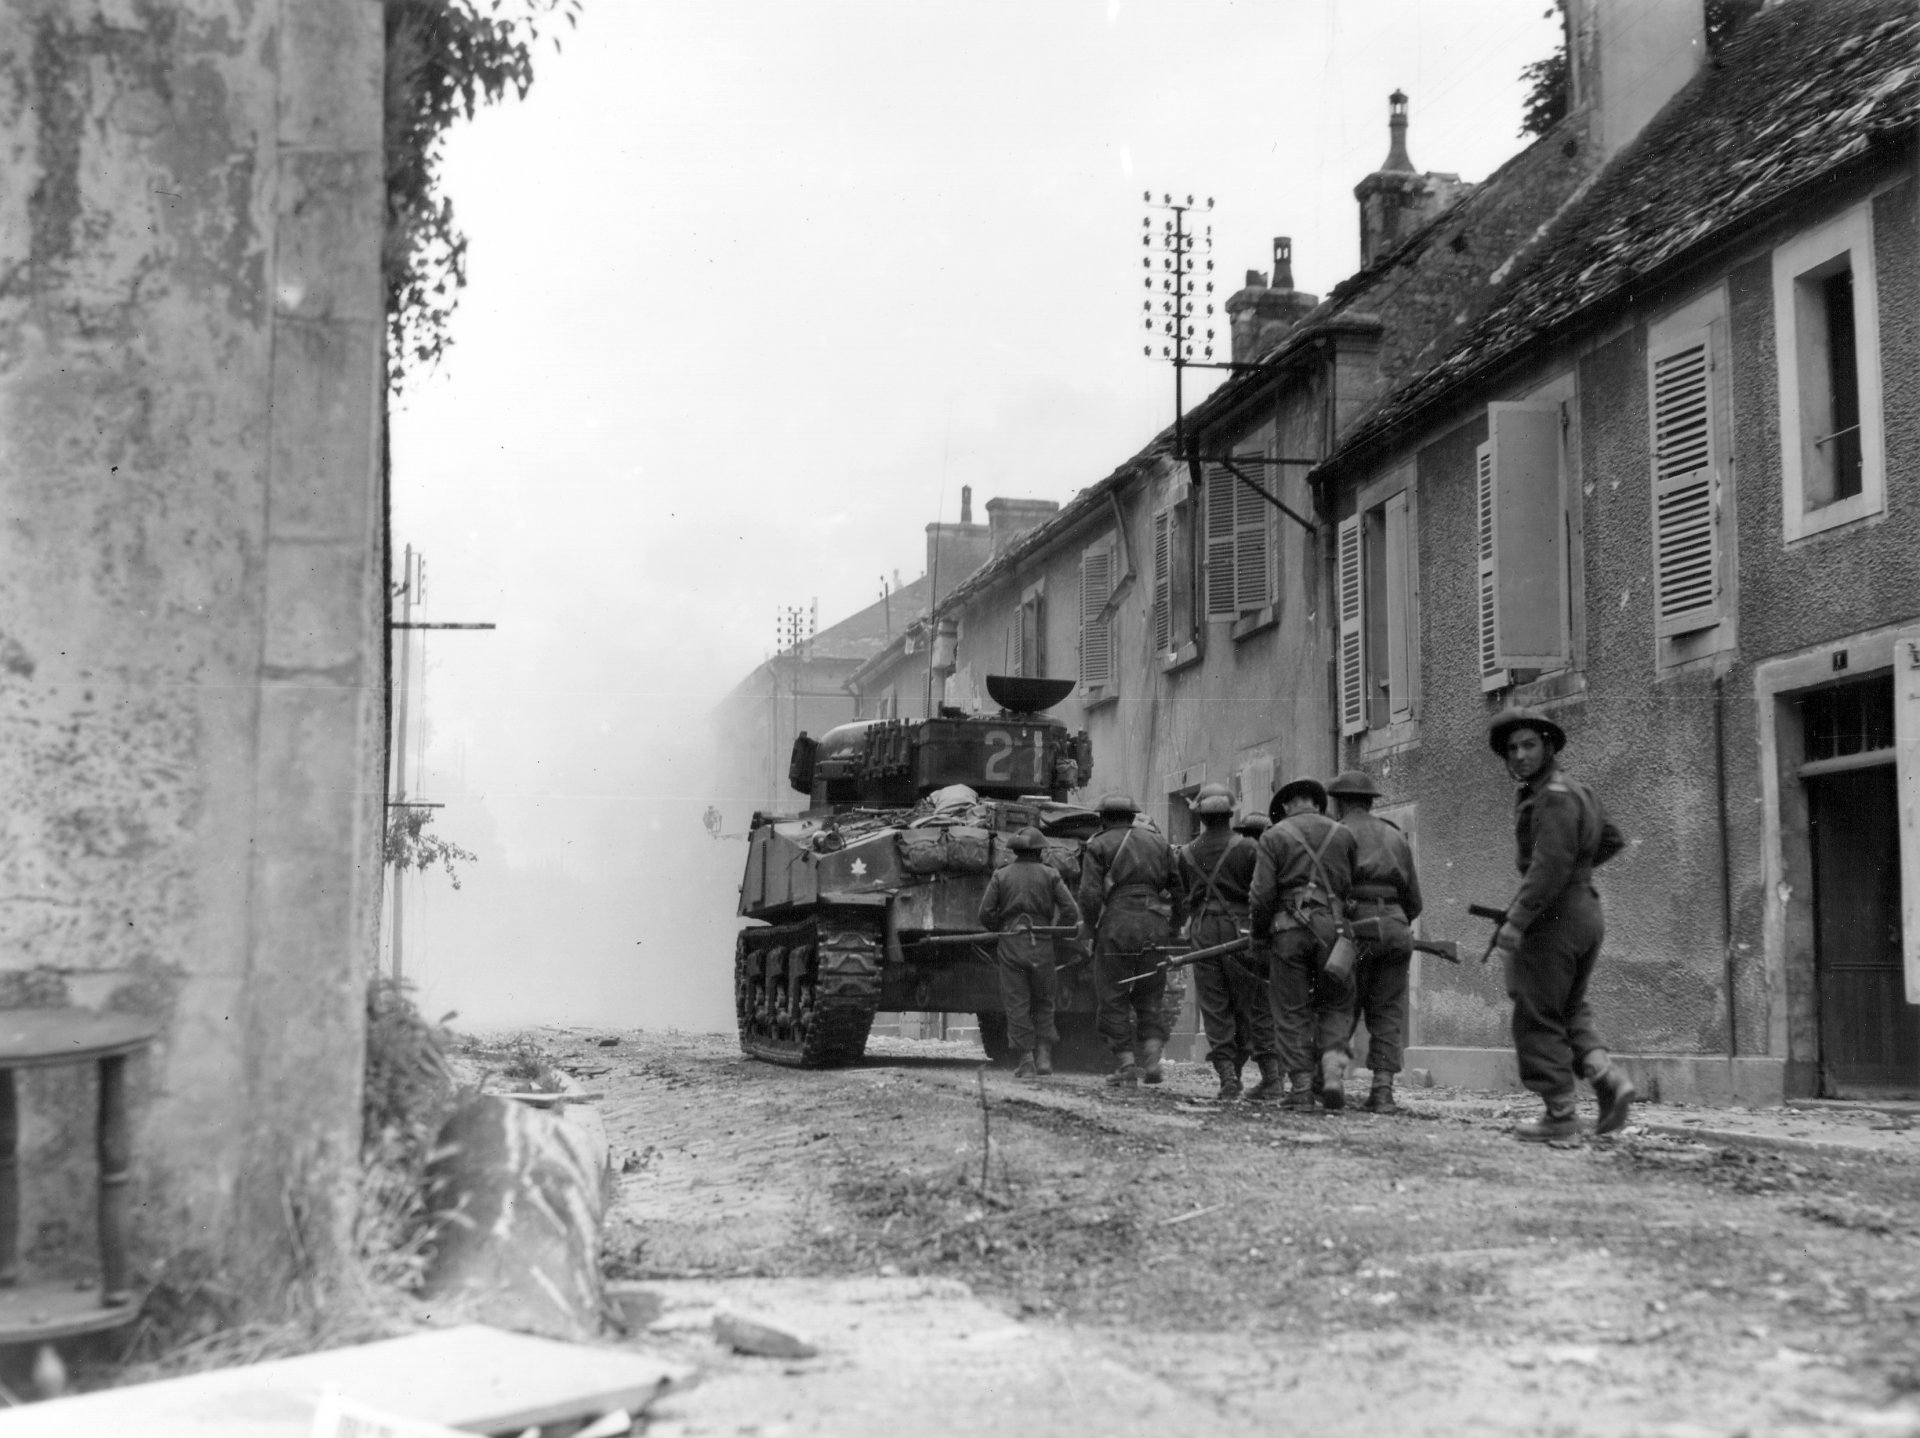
(191, 585)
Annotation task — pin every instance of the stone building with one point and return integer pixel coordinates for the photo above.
(1663, 486)
(192, 574)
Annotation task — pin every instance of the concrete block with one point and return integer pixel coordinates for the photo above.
(317, 619)
(326, 387)
(332, 59)
(330, 204)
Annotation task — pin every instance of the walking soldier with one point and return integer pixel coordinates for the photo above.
(1216, 870)
(1300, 880)
(1385, 898)
(1551, 936)
(1130, 900)
(1025, 893)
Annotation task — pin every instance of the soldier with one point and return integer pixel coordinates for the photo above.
(1385, 899)
(1300, 882)
(1025, 893)
(1216, 870)
(1550, 939)
(1130, 901)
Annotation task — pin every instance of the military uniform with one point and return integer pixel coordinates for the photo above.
(1026, 893)
(1217, 872)
(1130, 897)
(1561, 834)
(1384, 901)
(1300, 904)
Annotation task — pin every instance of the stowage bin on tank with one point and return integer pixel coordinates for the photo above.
(865, 899)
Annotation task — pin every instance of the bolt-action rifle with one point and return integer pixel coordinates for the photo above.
(1440, 948)
(1499, 917)
(1179, 956)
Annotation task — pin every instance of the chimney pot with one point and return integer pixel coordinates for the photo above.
(1283, 262)
(966, 504)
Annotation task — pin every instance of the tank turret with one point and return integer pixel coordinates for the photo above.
(869, 900)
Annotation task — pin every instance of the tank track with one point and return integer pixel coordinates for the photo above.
(805, 993)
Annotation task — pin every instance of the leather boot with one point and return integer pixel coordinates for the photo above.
(1150, 1060)
(1333, 1079)
(1380, 1098)
(1229, 1079)
(1024, 1069)
(1558, 1122)
(1612, 1087)
(1043, 1058)
(1127, 1075)
(1272, 1085)
(1300, 1098)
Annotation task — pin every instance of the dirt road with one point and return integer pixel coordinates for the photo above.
(1263, 1271)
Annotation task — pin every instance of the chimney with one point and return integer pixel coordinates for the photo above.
(954, 551)
(1261, 314)
(1626, 60)
(1008, 519)
(1395, 200)
(966, 504)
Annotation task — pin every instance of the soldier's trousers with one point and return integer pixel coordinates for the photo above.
(1029, 979)
(1232, 997)
(1547, 979)
(1380, 985)
(1308, 1016)
(1131, 1014)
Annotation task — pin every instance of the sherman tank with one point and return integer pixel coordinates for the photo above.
(867, 902)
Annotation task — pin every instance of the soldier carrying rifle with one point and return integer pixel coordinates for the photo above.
(1385, 900)
(1217, 869)
(1027, 893)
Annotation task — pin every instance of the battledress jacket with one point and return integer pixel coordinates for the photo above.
(1383, 864)
(1029, 889)
(1129, 864)
(1561, 835)
(1236, 857)
(1284, 869)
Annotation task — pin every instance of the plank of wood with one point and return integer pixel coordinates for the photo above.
(481, 1379)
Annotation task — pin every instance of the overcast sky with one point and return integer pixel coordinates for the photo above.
(755, 287)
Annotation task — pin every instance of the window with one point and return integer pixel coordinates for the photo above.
(1377, 581)
(1030, 633)
(1239, 544)
(1826, 315)
(1520, 500)
(1173, 598)
(1687, 442)
(1096, 625)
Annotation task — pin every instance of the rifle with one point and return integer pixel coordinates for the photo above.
(992, 936)
(1499, 917)
(1441, 948)
(1179, 958)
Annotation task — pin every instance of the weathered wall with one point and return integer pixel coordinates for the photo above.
(190, 574)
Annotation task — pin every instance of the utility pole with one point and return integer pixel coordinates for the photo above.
(411, 590)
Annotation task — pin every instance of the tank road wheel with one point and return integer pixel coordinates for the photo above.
(993, 1037)
(805, 994)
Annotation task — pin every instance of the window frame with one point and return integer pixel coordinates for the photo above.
(1104, 550)
(1251, 516)
(1033, 600)
(1804, 259)
(1385, 622)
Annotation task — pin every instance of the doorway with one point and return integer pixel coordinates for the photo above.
(1869, 1033)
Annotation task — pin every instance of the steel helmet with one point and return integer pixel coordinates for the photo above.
(1213, 799)
(1118, 803)
(1252, 825)
(1354, 784)
(1028, 841)
(1502, 725)
(1312, 788)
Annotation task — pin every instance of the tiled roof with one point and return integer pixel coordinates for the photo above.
(1801, 90)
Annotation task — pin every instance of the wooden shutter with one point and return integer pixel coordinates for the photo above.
(1686, 502)
(1493, 674)
(1096, 633)
(1906, 748)
(1353, 670)
(1163, 581)
(1529, 537)
(1221, 526)
(1016, 663)
(1252, 588)
(1399, 588)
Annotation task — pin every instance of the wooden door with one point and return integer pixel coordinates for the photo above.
(1869, 1033)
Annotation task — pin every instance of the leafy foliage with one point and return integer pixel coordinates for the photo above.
(445, 59)
(408, 1094)
(410, 846)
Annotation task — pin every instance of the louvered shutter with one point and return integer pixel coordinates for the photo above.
(1351, 591)
(1251, 550)
(1399, 665)
(1686, 540)
(1017, 661)
(1163, 581)
(1492, 674)
(1906, 745)
(1096, 633)
(1529, 536)
(1219, 504)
